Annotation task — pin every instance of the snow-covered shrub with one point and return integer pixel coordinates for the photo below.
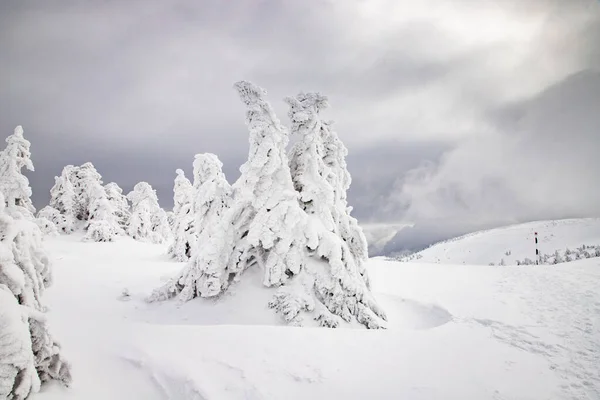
(314, 263)
(13, 184)
(102, 223)
(205, 274)
(148, 221)
(46, 226)
(184, 234)
(62, 222)
(24, 337)
(119, 204)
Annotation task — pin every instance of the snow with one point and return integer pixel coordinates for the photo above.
(454, 332)
(491, 246)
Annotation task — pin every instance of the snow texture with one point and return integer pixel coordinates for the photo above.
(28, 354)
(13, 184)
(148, 221)
(454, 332)
(183, 227)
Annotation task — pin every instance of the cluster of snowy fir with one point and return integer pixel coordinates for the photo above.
(29, 355)
(79, 200)
(559, 257)
(286, 215)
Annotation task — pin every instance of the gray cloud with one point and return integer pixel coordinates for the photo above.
(138, 87)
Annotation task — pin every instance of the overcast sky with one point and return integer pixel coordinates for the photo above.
(467, 112)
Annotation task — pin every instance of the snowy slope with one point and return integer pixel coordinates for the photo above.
(455, 332)
(512, 243)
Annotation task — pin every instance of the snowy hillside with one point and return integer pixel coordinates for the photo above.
(513, 243)
(454, 332)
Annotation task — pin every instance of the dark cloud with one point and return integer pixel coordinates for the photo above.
(138, 87)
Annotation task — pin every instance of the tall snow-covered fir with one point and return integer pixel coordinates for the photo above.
(29, 356)
(184, 234)
(148, 221)
(13, 184)
(287, 223)
(318, 163)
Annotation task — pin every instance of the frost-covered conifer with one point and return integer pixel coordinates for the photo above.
(47, 227)
(64, 201)
(13, 184)
(119, 204)
(85, 180)
(103, 224)
(148, 221)
(266, 228)
(267, 222)
(205, 275)
(28, 354)
(184, 234)
(320, 176)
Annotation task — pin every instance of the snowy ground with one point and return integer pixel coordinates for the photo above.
(455, 332)
(513, 243)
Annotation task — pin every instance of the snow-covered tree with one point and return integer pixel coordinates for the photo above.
(148, 221)
(28, 354)
(119, 204)
(56, 218)
(85, 180)
(339, 178)
(103, 225)
(184, 234)
(320, 176)
(266, 228)
(13, 184)
(205, 275)
(64, 201)
(47, 227)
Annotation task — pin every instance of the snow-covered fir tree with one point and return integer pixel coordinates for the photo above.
(102, 224)
(85, 180)
(184, 234)
(320, 175)
(63, 203)
(13, 184)
(148, 221)
(119, 203)
(339, 178)
(28, 354)
(266, 228)
(205, 275)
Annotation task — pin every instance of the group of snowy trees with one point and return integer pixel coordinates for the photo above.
(286, 214)
(29, 356)
(78, 198)
(559, 257)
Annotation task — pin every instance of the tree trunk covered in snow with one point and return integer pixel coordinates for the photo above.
(28, 354)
